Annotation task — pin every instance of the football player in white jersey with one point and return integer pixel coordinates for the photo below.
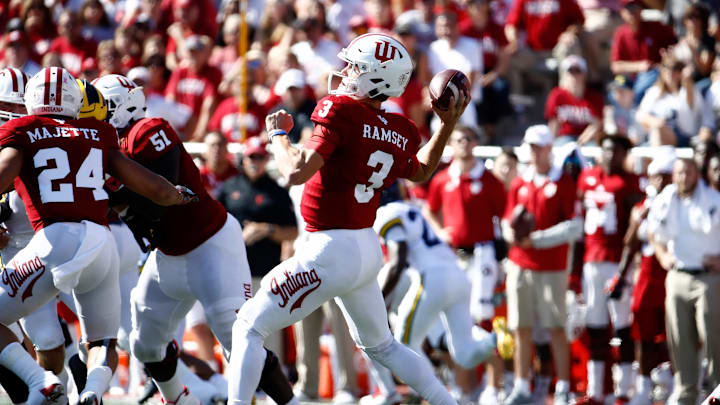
(437, 287)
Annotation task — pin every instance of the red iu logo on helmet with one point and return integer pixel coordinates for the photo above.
(384, 51)
(126, 83)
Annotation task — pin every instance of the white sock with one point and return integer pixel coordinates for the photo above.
(596, 378)
(246, 364)
(220, 383)
(172, 388)
(16, 359)
(522, 385)
(623, 376)
(643, 385)
(98, 379)
(562, 386)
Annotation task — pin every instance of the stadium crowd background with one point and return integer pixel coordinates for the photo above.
(646, 70)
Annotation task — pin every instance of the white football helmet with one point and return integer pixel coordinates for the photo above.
(12, 89)
(126, 100)
(377, 65)
(53, 91)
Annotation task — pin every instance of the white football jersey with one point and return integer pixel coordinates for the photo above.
(400, 221)
(18, 225)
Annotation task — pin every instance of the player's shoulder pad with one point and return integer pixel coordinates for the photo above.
(21, 122)
(148, 126)
(334, 110)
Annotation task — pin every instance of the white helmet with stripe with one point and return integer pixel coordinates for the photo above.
(12, 89)
(53, 91)
(377, 65)
(126, 100)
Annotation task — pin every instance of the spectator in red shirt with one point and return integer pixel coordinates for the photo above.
(126, 39)
(223, 57)
(536, 273)
(39, 27)
(192, 17)
(553, 27)
(462, 202)
(194, 84)
(636, 47)
(16, 53)
(217, 167)
(574, 112)
(70, 45)
(226, 118)
(495, 102)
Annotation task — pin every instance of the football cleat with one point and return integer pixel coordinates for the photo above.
(505, 340)
(183, 399)
(89, 398)
(53, 393)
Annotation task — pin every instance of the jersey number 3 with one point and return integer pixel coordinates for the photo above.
(89, 175)
(363, 193)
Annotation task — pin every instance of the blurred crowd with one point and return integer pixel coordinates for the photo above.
(610, 73)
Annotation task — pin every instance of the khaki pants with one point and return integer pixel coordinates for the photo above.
(535, 298)
(307, 337)
(692, 307)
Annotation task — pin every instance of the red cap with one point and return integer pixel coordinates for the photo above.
(89, 64)
(255, 146)
(14, 37)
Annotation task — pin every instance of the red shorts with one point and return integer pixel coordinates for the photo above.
(648, 307)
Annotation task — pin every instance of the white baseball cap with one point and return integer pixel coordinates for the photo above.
(139, 72)
(290, 78)
(538, 135)
(572, 61)
(663, 161)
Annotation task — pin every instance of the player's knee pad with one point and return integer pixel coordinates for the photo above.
(626, 350)
(381, 352)
(145, 350)
(599, 343)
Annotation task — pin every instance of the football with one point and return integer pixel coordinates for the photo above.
(522, 222)
(447, 84)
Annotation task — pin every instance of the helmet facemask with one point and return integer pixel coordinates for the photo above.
(9, 111)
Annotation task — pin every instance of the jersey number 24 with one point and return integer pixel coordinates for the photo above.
(89, 175)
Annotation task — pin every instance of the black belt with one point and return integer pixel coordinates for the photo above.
(692, 270)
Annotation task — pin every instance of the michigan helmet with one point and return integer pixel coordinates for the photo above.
(380, 64)
(125, 99)
(93, 103)
(53, 91)
(12, 89)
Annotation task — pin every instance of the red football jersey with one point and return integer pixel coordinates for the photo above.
(573, 114)
(468, 203)
(607, 212)
(365, 151)
(492, 40)
(551, 202)
(183, 227)
(64, 167)
(544, 20)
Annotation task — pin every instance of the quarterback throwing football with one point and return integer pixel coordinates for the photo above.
(356, 150)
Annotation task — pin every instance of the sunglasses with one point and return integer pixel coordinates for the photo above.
(256, 156)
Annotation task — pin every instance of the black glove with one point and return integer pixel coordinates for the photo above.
(144, 229)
